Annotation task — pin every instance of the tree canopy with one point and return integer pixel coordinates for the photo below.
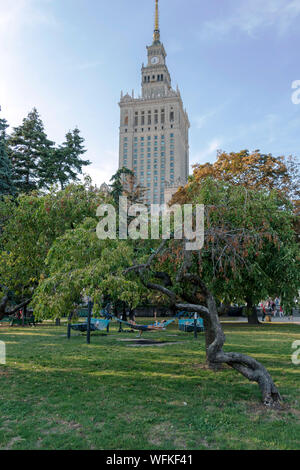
(33, 162)
(6, 172)
(238, 232)
(30, 225)
(252, 170)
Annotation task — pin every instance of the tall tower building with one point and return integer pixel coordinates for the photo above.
(154, 129)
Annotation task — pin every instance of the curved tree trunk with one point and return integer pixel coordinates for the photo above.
(245, 365)
(215, 337)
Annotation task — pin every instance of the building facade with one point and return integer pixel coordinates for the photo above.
(154, 129)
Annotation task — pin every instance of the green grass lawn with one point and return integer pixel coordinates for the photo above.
(60, 394)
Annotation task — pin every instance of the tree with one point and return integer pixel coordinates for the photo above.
(278, 177)
(6, 173)
(131, 270)
(28, 148)
(251, 170)
(31, 223)
(64, 163)
(124, 184)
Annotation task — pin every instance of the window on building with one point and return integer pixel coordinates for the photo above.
(149, 118)
(162, 116)
(156, 116)
(143, 118)
(136, 119)
(126, 120)
(172, 116)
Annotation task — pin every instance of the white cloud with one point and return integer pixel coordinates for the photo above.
(16, 14)
(208, 153)
(103, 171)
(250, 16)
(202, 120)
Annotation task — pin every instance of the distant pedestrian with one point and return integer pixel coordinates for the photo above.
(277, 307)
(264, 310)
(281, 314)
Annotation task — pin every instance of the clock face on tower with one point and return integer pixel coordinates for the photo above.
(154, 60)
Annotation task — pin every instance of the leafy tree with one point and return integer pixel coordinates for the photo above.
(251, 170)
(28, 148)
(31, 224)
(6, 173)
(64, 163)
(236, 230)
(258, 172)
(124, 184)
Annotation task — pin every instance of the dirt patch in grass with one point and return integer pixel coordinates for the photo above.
(259, 411)
(62, 426)
(4, 373)
(13, 441)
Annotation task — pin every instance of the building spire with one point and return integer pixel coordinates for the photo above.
(156, 35)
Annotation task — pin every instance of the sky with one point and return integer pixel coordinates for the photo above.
(235, 62)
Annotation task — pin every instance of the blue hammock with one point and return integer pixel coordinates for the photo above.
(187, 325)
(153, 327)
(96, 325)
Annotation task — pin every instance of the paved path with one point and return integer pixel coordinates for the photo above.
(285, 320)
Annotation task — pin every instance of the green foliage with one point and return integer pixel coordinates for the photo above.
(117, 186)
(6, 173)
(249, 250)
(38, 163)
(64, 164)
(31, 224)
(28, 148)
(260, 252)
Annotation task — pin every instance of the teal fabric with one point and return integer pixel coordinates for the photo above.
(162, 325)
(96, 325)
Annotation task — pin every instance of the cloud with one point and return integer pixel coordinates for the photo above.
(202, 120)
(16, 14)
(208, 153)
(251, 16)
(102, 172)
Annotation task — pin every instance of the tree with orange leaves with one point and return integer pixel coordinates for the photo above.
(252, 170)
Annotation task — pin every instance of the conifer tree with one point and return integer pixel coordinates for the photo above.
(6, 173)
(28, 148)
(64, 163)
